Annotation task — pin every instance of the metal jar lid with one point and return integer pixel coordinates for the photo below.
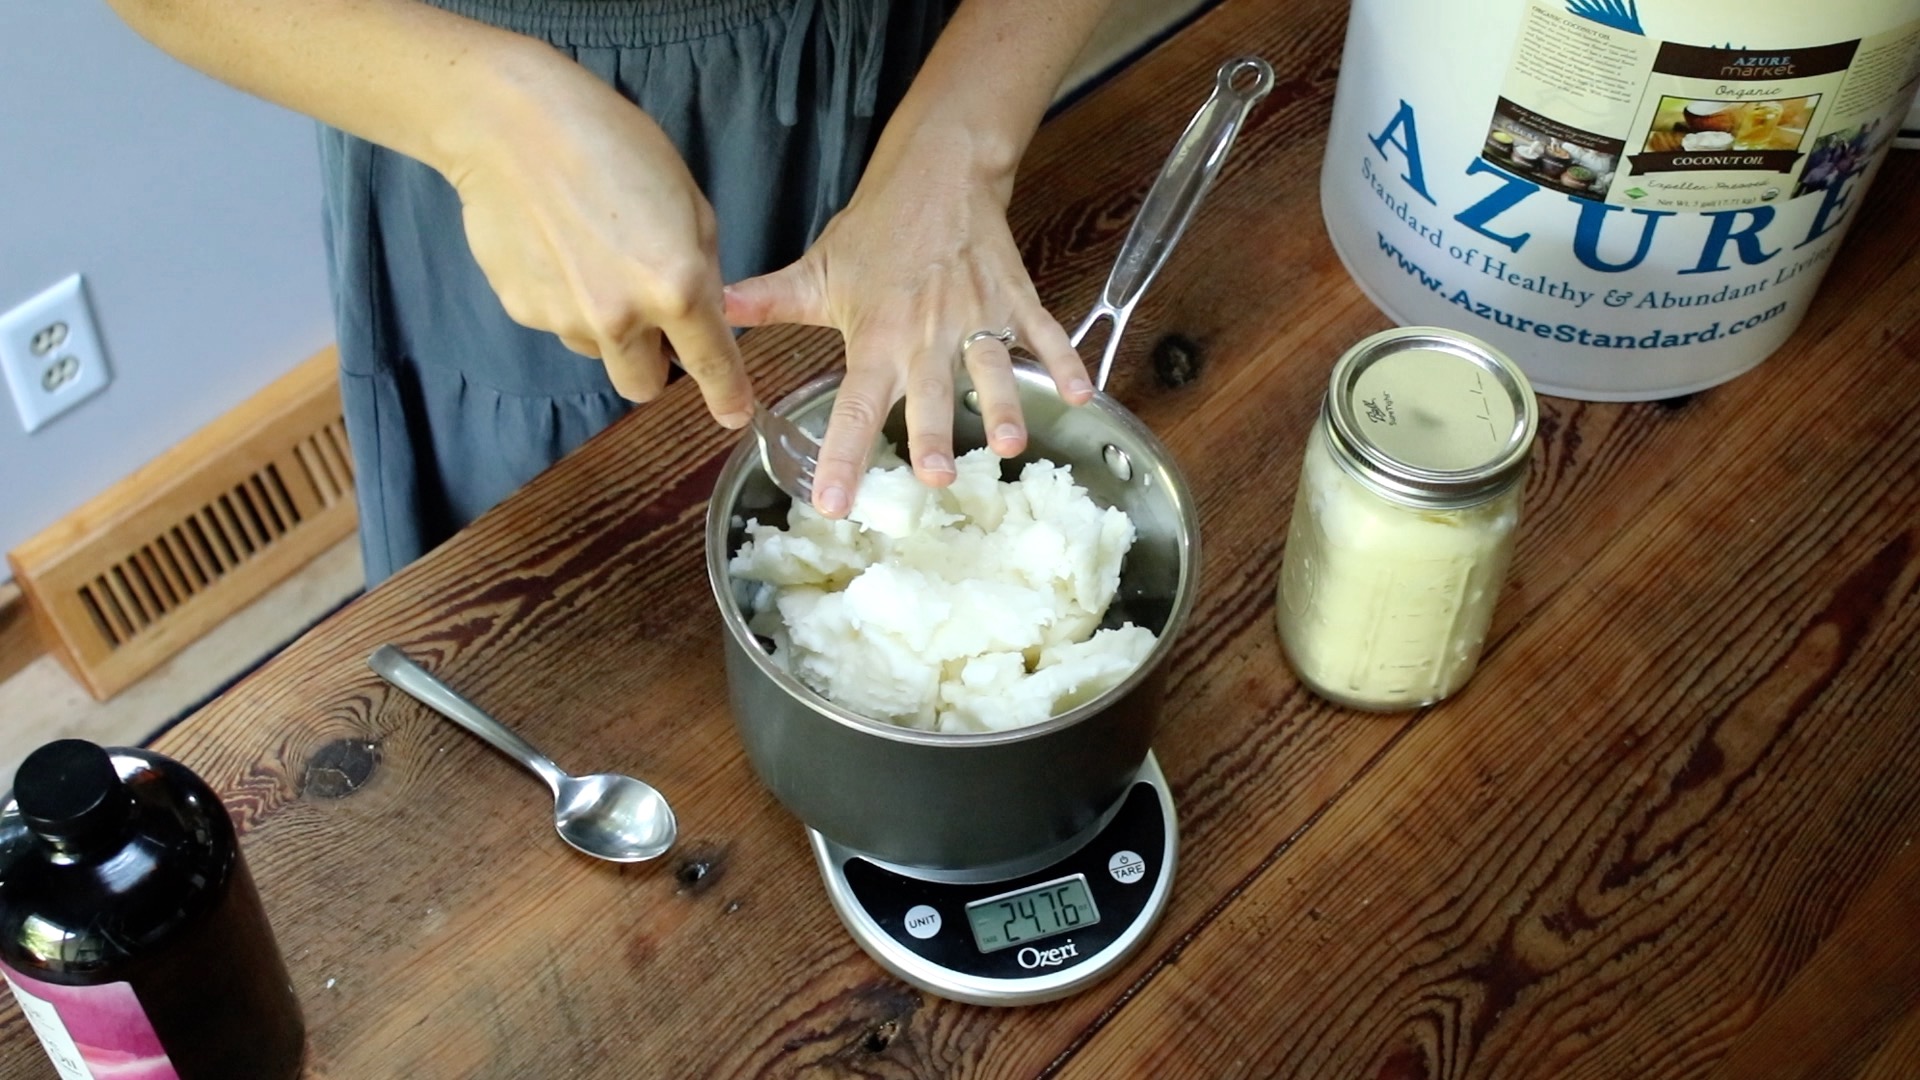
(1430, 417)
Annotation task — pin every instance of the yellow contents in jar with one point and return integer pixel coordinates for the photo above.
(1382, 605)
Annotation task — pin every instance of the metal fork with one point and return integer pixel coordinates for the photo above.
(1174, 196)
(788, 452)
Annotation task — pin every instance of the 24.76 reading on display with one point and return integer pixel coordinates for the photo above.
(1028, 914)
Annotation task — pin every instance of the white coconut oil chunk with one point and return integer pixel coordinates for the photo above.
(975, 607)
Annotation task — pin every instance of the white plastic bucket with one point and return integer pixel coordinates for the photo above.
(1606, 190)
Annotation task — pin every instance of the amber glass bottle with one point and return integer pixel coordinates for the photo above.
(130, 931)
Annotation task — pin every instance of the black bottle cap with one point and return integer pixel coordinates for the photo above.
(69, 790)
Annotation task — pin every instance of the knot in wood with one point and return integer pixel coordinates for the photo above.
(1176, 361)
(880, 1036)
(700, 868)
(339, 768)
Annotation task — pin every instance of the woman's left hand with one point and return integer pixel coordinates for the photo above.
(920, 259)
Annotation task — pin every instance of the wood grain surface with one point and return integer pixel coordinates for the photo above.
(1666, 831)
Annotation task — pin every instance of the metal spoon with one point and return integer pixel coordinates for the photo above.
(607, 816)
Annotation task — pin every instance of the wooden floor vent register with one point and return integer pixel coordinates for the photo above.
(129, 579)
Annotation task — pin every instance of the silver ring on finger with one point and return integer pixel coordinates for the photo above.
(1004, 336)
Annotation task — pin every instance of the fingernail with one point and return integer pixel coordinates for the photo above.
(736, 420)
(1008, 433)
(936, 463)
(1079, 386)
(832, 501)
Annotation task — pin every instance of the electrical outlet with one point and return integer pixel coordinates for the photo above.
(50, 353)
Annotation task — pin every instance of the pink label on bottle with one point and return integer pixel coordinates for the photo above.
(92, 1032)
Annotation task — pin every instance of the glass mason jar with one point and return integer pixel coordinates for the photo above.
(1403, 524)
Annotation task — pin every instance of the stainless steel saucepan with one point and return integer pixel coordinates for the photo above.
(971, 801)
(929, 799)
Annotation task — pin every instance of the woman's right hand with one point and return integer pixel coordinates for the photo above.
(587, 224)
(578, 207)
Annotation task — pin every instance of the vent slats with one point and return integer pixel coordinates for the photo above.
(333, 440)
(337, 436)
(327, 463)
(278, 497)
(142, 608)
(181, 550)
(319, 473)
(264, 512)
(162, 556)
(315, 472)
(120, 601)
(165, 597)
(213, 545)
(206, 545)
(152, 591)
(239, 541)
(253, 497)
(99, 614)
(240, 505)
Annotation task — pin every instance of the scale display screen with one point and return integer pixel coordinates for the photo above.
(1014, 918)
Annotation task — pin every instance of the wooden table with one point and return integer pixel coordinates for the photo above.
(1668, 830)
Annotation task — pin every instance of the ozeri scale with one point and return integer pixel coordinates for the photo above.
(1017, 934)
(1048, 924)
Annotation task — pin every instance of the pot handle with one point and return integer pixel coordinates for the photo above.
(1175, 195)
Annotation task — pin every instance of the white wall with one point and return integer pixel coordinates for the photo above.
(194, 212)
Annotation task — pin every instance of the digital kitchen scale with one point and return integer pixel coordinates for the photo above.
(1020, 934)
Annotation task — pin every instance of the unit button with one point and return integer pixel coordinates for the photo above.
(922, 921)
(1126, 867)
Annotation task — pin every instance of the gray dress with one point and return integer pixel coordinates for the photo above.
(451, 405)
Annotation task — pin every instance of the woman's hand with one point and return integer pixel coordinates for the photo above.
(588, 224)
(920, 259)
(578, 208)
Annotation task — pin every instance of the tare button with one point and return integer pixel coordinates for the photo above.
(1126, 867)
(922, 921)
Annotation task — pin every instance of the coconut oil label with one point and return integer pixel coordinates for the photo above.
(1593, 107)
(1631, 198)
